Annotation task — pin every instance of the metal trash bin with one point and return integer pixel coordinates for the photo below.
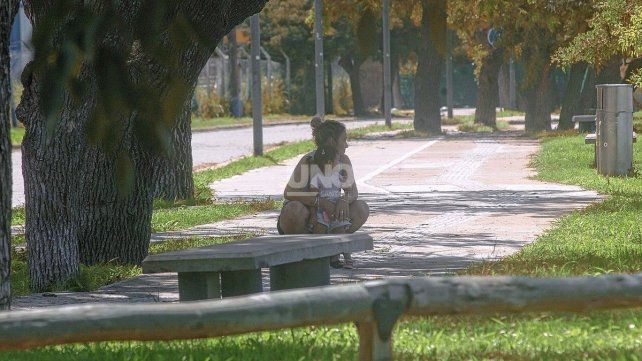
(614, 129)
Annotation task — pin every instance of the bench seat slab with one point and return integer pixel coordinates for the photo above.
(193, 286)
(306, 273)
(238, 283)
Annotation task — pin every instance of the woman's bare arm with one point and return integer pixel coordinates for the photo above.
(296, 189)
(350, 189)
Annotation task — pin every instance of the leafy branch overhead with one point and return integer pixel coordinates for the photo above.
(615, 29)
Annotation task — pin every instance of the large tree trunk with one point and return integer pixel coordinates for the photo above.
(538, 103)
(571, 104)
(488, 89)
(76, 209)
(51, 168)
(538, 89)
(430, 64)
(588, 97)
(352, 66)
(173, 172)
(503, 79)
(8, 11)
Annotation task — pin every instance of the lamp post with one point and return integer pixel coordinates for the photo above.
(318, 56)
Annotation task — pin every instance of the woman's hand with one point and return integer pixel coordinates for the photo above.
(341, 210)
(327, 206)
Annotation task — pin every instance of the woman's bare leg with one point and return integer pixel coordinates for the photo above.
(294, 218)
(359, 212)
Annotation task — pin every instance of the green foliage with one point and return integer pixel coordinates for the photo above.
(530, 30)
(18, 216)
(17, 134)
(276, 101)
(614, 30)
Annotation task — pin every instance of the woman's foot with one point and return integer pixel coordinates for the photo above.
(335, 263)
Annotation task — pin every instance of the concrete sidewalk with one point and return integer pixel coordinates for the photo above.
(437, 205)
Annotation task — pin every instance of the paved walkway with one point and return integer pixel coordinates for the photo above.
(437, 205)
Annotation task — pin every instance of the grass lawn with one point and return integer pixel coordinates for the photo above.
(170, 219)
(209, 123)
(94, 277)
(466, 123)
(603, 238)
(16, 135)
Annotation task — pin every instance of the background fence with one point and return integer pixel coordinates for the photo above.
(215, 76)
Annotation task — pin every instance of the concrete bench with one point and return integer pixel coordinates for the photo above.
(590, 138)
(586, 123)
(234, 268)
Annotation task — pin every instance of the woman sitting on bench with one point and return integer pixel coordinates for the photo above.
(314, 201)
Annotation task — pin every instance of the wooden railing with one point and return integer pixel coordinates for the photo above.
(373, 306)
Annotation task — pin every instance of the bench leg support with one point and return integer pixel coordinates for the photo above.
(194, 286)
(308, 273)
(238, 283)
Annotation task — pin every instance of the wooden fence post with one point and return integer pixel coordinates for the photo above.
(371, 346)
(389, 301)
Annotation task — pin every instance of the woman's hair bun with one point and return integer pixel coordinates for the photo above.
(316, 122)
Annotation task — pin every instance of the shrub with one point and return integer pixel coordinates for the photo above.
(277, 103)
(210, 104)
(342, 96)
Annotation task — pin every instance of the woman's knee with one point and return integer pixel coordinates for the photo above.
(360, 210)
(294, 217)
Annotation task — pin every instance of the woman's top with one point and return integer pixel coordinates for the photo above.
(329, 181)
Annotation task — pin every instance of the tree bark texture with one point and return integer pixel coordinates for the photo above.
(488, 89)
(538, 82)
(503, 78)
(538, 103)
(173, 172)
(8, 10)
(75, 211)
(352, 66)
(429, 67)
(572, 95)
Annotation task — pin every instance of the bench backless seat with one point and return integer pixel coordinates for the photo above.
(234, 268)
